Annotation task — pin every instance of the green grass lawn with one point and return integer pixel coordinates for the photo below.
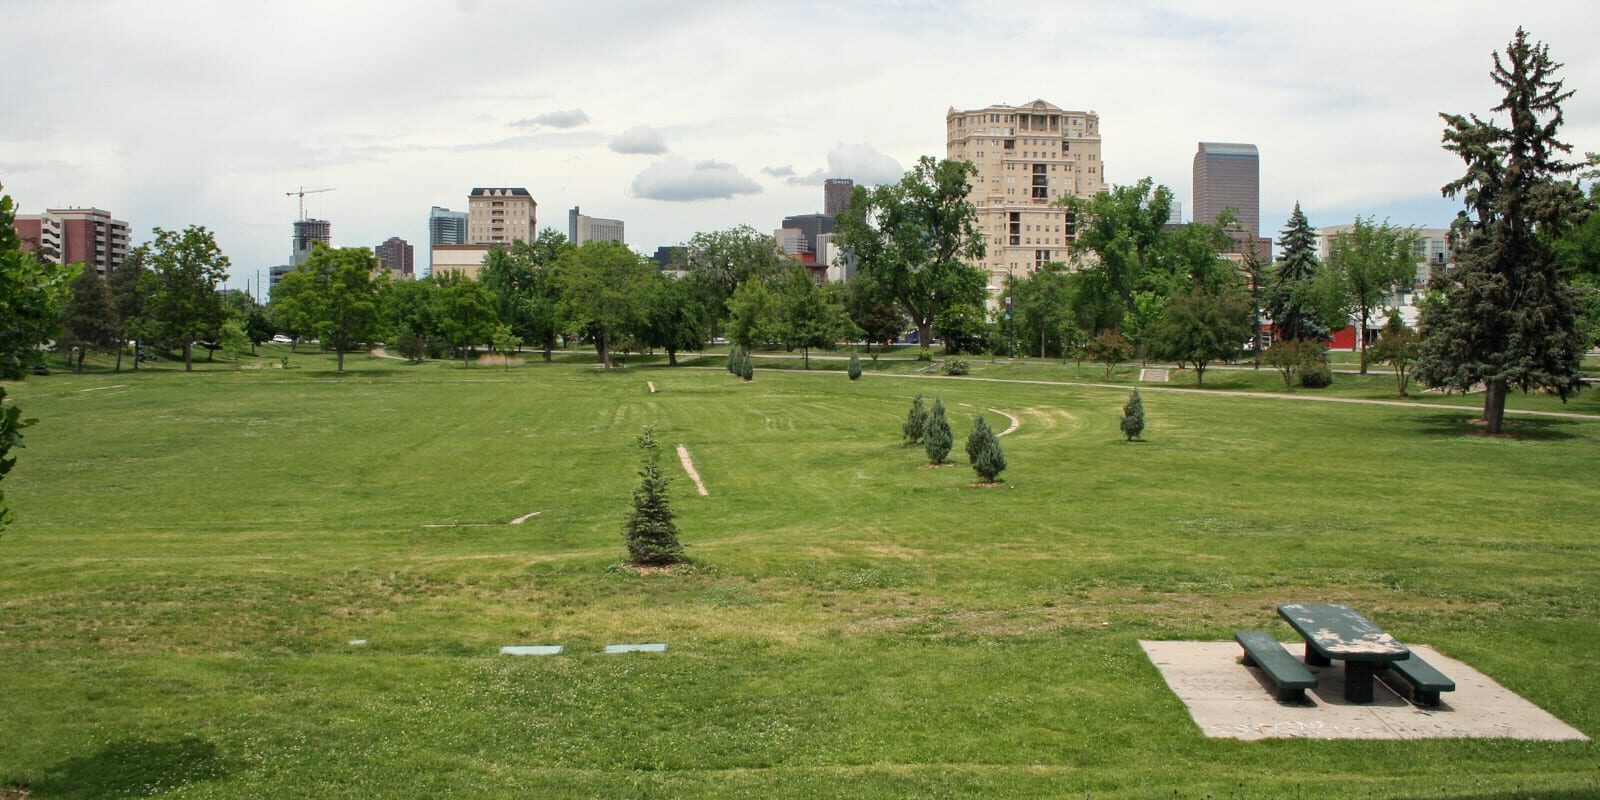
(193, 553)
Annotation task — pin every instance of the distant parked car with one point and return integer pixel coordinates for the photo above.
(281, 339)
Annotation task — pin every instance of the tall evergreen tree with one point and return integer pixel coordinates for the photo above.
(1509, 316)
(983, 451)
(1292, 301)
(937, 438)
(652, 536)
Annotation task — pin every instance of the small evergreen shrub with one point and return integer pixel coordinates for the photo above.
(983, 451)
(925, 354)
(916, 422)
(1133, 416)
(747, 368)
(937, 438)
(651, 534)
(854, 370)
(733, 360)
(957, 366)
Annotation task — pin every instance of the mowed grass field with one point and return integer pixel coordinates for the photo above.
(193, 553)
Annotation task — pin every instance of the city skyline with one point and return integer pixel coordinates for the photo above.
(212, 125)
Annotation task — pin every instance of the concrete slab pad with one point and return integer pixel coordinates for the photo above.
(655, 647)
(531, 650)
(358, 642)
(1229, 700)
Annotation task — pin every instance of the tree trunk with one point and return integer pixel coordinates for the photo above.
(549, 344)
(121, 343)
(135, 355)
(188, 356)
(82, 351)
(805, 357)
(603, 350)
(1363, 338)
(924, 334)
(1494, 405)
(1199, 374)
(340, 351)
(672, 356)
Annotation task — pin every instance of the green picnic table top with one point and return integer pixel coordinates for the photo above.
(1338, 632)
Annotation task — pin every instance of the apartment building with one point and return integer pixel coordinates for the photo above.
(584, 228)
(75, 236)
(396, 256)
(1432, 251)
(501, 216)
(1028, 157)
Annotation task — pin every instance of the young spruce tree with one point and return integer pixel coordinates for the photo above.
(1133, 416)
(854, 370)
(651, 533)
(937, 438)
(747, 367)
(916, 422)
(983, 450)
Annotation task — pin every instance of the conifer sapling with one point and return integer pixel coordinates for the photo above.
(983, 450)
(1133, 416)
(937, 438)
(652, 535)
(916, 422)
(854, 370)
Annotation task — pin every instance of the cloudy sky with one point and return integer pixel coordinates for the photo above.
(683, 117)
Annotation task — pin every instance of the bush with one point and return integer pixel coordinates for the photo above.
(1316, 375)
(956, 366)
(925, 354)
(651, 534)
(733, 360)
(854, 370)
(747, 367)
(1133, 416)
(916, 422)
(937, 438)
(1109, 348)
(983, 451)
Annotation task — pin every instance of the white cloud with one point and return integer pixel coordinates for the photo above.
(860, 162)
(781, 171)
(570, 118)
(679, 180)
(641, 139)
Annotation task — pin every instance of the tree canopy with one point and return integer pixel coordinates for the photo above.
(1367, 264)
(187, 267)
(606, 292)
(914, 239)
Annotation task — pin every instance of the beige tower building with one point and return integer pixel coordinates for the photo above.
(500, 216)
(1028, 157)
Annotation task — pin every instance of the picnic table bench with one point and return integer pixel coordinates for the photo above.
(1337, 633)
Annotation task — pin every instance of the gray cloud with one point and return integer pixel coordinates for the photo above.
(781, 171)
(571, 118)
(861, 162)
(679, 180)
(641, 139)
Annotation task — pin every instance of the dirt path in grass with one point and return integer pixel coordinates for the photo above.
(1015, 423)
(379, 352)
(688, 466)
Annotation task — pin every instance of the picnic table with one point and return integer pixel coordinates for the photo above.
(1337, 633)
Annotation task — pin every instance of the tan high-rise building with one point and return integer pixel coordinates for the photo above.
(500, 216)
(1028, 157)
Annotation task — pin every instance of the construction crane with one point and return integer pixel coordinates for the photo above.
(302, 195)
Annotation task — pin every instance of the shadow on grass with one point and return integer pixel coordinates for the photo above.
(132, 768)
(1461, 423)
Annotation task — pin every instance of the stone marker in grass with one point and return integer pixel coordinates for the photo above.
(531, 650)
(654, 647)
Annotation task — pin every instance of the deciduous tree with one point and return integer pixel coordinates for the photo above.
(464, 310)
(130, 285)
(31, 295)
(1202, 326)
(1369, 262)
(915, 239)
(1398, 347)
(606, 292)
(187, 266)
(88, 319)
(1110, 349)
